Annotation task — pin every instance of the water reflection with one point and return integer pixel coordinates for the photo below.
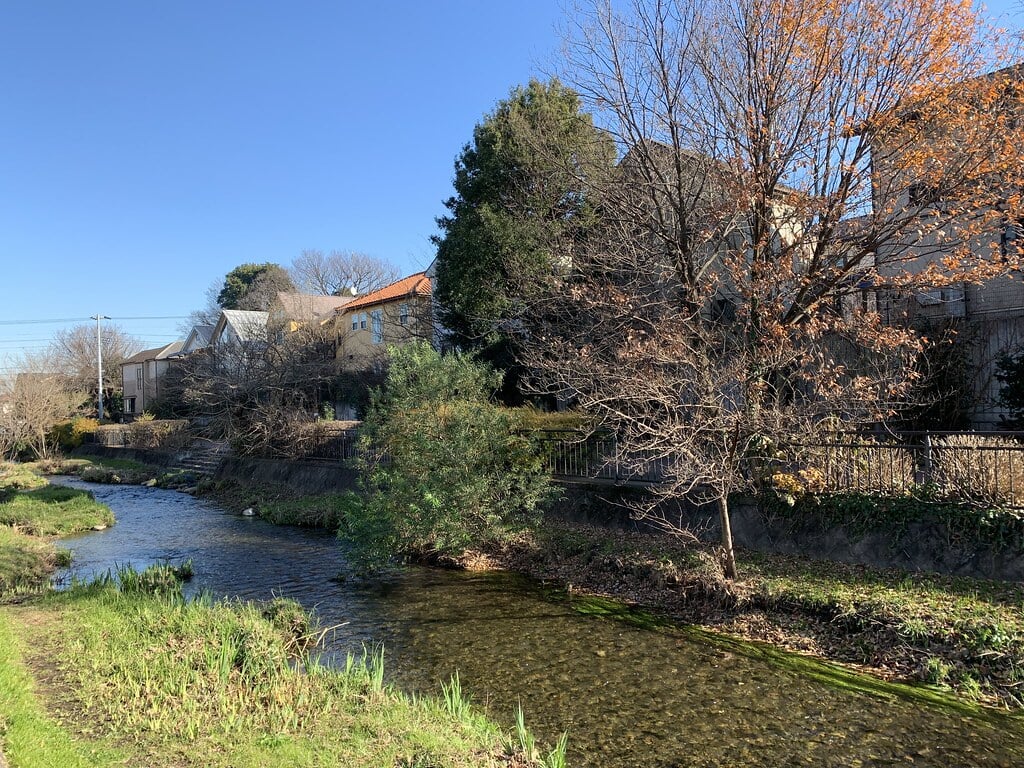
(627, 696)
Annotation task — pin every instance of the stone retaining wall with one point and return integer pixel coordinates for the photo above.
(924, 546)
(143, 455)
(305, 476)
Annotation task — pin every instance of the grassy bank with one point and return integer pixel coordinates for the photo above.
(280, 504)
(54, 511)
(26, 562)
(32, 512)
(122, 675)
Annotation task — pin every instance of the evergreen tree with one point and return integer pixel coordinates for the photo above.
(518, 210)
(252, 286)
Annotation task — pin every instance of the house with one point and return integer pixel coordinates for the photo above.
(290, 311)
(960, 205)
(396, 314)
(239, 327)
(141, 375)
(198, 338)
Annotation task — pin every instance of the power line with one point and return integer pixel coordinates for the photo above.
(51, 320)
(83, 319)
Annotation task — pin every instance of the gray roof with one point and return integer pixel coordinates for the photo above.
(202, 334)
(247, 325)
(306, 306)
(157, 353)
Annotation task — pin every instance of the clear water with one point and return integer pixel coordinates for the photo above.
(627, 696)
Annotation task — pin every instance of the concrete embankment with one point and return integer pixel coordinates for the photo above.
(304, 476)
(925, 545)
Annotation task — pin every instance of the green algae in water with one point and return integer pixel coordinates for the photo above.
(829, 673)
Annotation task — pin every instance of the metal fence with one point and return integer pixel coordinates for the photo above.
(981, 467)
(333, 445)
(598, 456)
(977, 467)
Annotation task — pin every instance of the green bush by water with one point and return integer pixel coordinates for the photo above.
(444, 468)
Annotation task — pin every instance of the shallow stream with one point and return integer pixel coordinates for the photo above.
(627, 696)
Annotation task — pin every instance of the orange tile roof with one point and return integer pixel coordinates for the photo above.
(413, 285)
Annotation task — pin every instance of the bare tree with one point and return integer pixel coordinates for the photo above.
(72, 354)
(32, 402)
(257, 394)
(765, 199)
(330, 274)
(208, 314)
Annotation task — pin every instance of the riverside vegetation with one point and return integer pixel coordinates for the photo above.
(126, 669)
(454, 506)
(954, 635)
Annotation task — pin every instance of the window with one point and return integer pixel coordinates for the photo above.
(138, 377)
(129, 405)
(359, 321)
(377, 325)
(921, 194)
(1010, 239)
(403, 314)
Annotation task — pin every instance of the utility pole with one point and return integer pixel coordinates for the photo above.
(99, 366)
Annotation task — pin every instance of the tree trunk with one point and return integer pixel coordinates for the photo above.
(730, 556)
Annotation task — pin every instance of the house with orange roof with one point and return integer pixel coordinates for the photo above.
(396, 314)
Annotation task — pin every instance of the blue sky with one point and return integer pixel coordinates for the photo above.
(147, 148)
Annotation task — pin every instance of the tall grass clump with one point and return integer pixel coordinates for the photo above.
(25, 562)
(222, 684)
(523, 743)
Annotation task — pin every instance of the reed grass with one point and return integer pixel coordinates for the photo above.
(202, 682)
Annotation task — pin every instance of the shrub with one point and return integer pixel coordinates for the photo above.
(70, 434)
(532, 419)
(444, 468)
(115, 435)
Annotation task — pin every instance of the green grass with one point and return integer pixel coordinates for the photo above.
(54, 511)
(31, 738)
(919, 605)
(136, 466)
(17, 477)
(325, 510)
(25, 562)
(29, 517)
(170, 682)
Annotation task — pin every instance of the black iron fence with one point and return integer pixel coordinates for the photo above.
(333, 445)
(979, 467)
(597, 456)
